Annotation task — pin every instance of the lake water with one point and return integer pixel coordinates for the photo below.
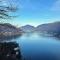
(37, 47)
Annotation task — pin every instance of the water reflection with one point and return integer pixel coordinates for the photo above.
(8, 38)
(37, 47)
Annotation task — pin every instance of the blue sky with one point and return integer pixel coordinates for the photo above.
(35, 12)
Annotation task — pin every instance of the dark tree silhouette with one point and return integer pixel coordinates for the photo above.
(6, 8)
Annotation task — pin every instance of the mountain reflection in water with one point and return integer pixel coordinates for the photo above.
(36, 47)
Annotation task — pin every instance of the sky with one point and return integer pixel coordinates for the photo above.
(36, 12)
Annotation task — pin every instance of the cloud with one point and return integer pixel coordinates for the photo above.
(56, 6)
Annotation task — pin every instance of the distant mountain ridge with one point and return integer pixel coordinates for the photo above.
(51, 28)
(7, 30)
(28, 28)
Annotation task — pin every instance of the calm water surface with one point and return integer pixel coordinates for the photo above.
(37, 47)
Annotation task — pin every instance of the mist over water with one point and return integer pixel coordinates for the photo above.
(36, 47)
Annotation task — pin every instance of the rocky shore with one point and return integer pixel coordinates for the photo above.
(10, 51)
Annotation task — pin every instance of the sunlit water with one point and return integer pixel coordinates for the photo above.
(37, 47)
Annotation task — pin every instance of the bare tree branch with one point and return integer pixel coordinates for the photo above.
(5, 10)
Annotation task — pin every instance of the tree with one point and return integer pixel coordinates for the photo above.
(6, 8)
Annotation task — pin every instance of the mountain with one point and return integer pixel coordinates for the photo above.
(51, 28)
(7, 30)
(28, 28)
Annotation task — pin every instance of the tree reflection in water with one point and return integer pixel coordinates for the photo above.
(10, 51)
(8, 38)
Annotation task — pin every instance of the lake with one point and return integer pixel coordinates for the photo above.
(36, 47)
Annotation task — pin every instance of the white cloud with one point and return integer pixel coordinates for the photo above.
(56, 6)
